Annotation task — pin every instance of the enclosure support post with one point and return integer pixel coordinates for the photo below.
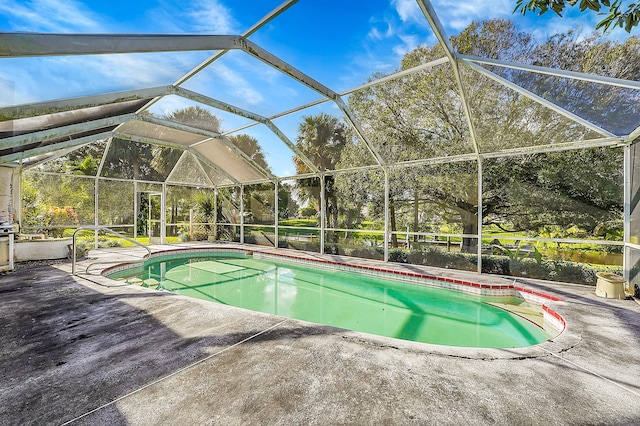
(627, 169)
(163, 215)
(96, 220)
(275, 222)
(479, 262)
(135, 210)
(386, 214)
(322, 213)
(241, 214)
(215, 214)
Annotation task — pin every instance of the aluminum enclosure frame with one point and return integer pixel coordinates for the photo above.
(32, 44)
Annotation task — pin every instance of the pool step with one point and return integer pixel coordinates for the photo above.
(529, 311)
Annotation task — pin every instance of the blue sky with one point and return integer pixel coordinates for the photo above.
(339, 43)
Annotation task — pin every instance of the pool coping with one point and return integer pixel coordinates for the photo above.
(554, 323)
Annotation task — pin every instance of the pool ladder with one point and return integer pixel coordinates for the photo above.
(104, 228)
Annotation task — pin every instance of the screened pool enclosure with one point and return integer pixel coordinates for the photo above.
(491, 158)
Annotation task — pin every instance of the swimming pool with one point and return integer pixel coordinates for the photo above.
(372, 304)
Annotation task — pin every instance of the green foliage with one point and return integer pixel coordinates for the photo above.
(511, 254)
(398, 256)
(309, 246)
(308, 212)
(205, 204)
(88, 166)
(287, 205)
(616, 17)
(572, 272)
(196, 116)
(527, 267)
(321, 138)
(498, 265)
(251, 147)
(365, 252)
(307, 223)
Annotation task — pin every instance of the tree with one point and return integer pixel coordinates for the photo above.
(617, 17)
(321, 138)
(196, 116)
(88, 166)
(251, 147)
(287, 205)
(420, 116)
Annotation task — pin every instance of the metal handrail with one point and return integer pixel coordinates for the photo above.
(104, 228)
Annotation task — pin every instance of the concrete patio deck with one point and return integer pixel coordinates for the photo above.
(85, 350)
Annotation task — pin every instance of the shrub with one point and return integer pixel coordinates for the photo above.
(333, 249)
(367, 253)
(498, 265)
(443, 259)
(60, 216)
(416, 257)
(398, 255)
(531, 268)
(574, 273)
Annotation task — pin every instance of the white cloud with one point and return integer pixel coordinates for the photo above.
(456, 15)
(409, 42)
(135, 70)
(200, 16)
(7, 92)
(408, 11)
(41, 79)
(211, 16)
(62, 16)
(168, 104)
(238, 86)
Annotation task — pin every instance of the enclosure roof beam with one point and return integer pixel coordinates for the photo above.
(592, 143)
(592, 78)
(275, 129)
(197, 97)
(435, 24)
(14, 45)
(438, 29)
(175, 167)
(206, 100)
(538, 99)
(277, 63)
(63, 131)
(255, 27)
(50, 107)
(60, 153)
(74, 143)
(633, 135)
(134, 138)
(393, 76)
(209, 134)
(399, 74)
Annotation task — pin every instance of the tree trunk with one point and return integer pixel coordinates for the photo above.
(469, 226)
(392, 219)
(331, 206)
(415, 216)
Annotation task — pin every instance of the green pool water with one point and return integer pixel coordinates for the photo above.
(348, 300)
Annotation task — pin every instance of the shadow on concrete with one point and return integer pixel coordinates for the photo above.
(67, 350)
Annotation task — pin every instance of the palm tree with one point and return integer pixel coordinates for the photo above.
(88, 166)
(321, 138)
